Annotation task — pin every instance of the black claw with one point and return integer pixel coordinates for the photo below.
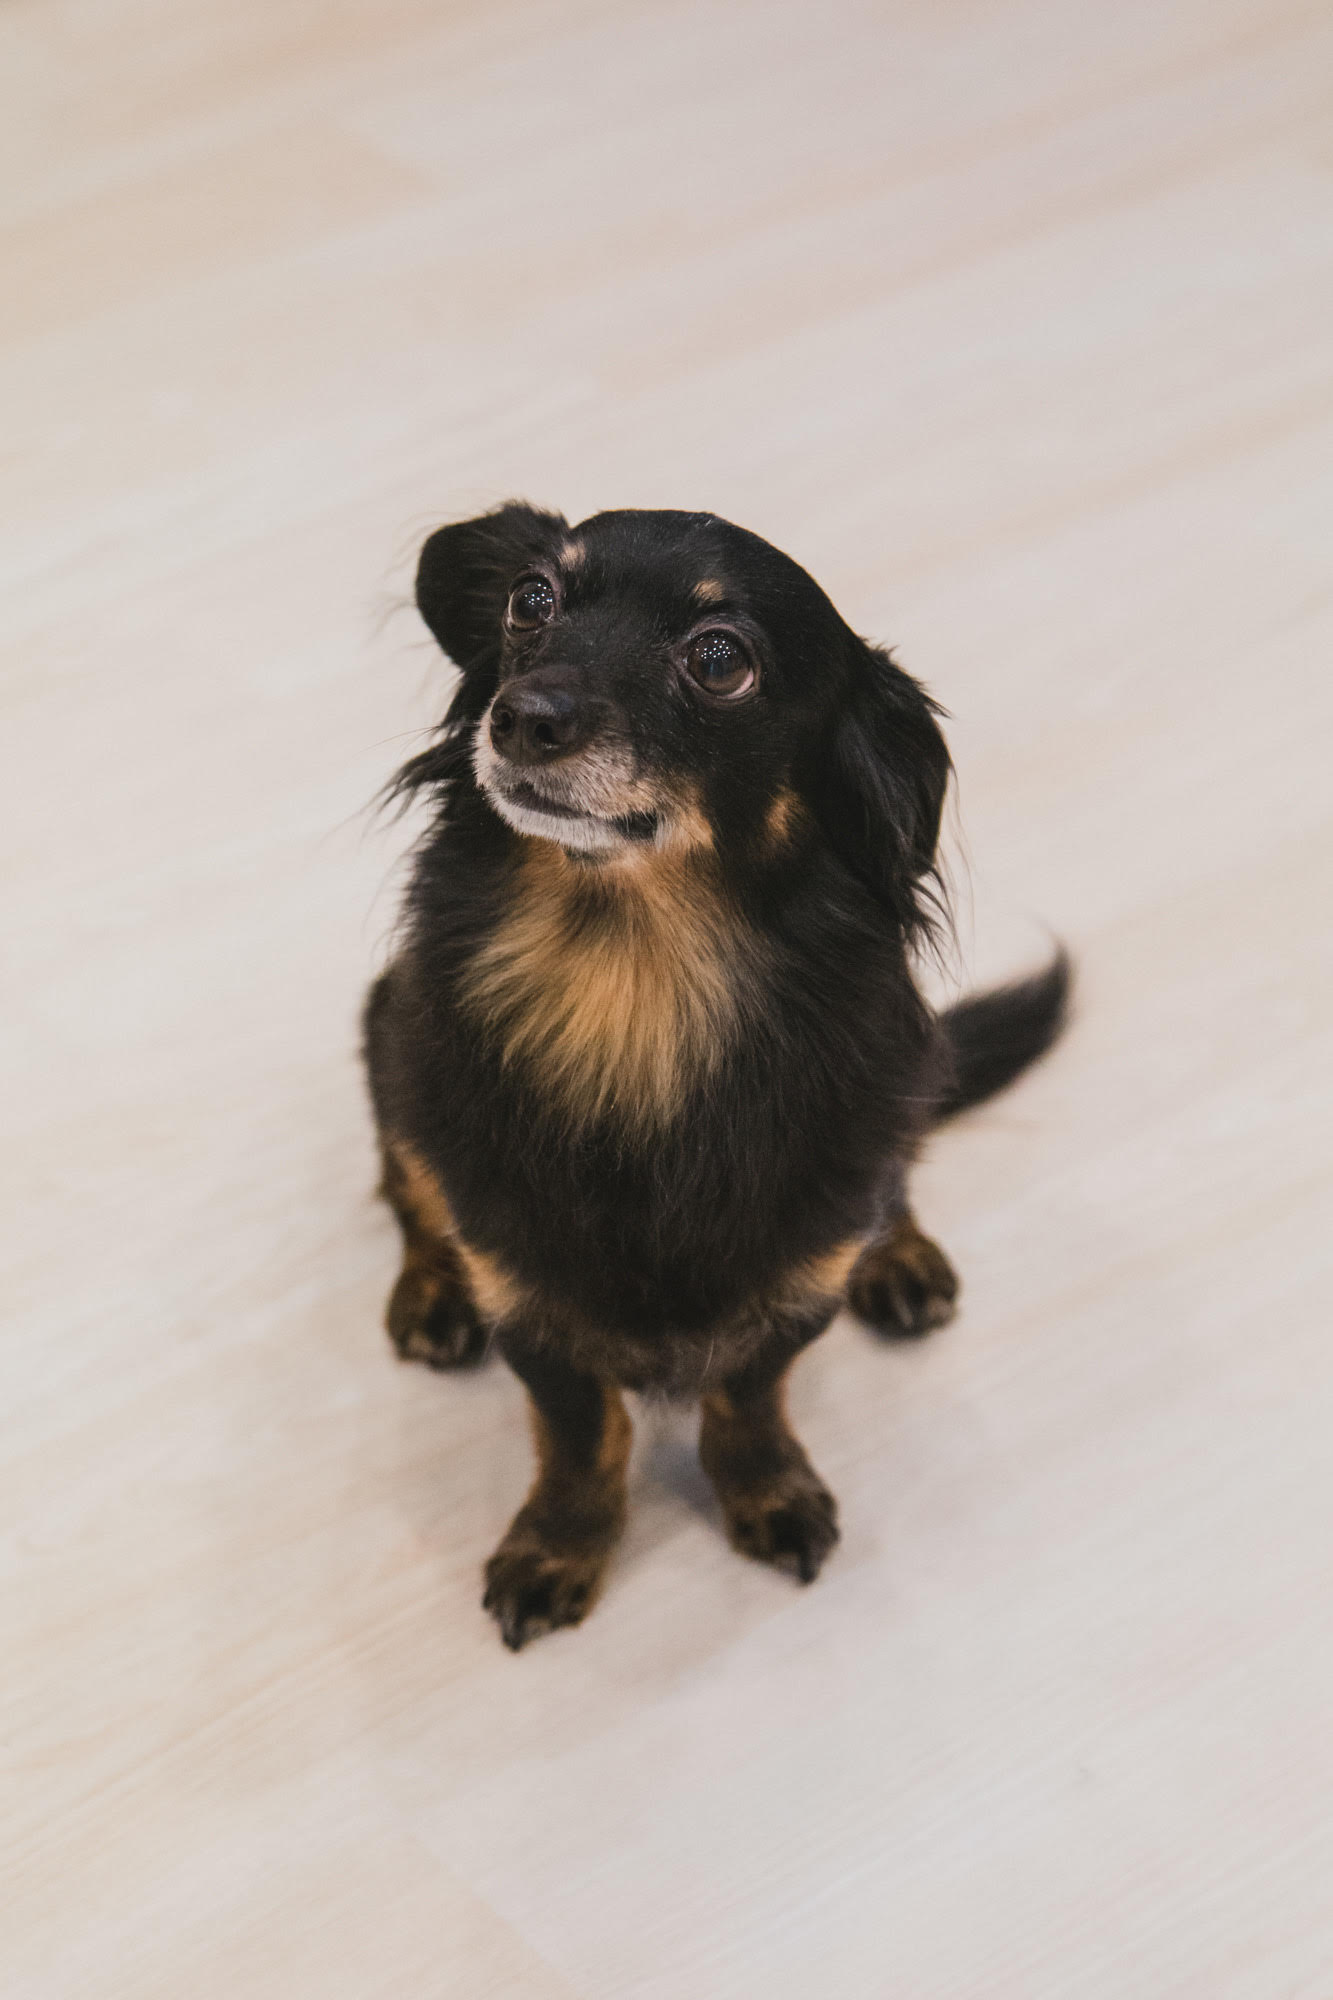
(528, 1618)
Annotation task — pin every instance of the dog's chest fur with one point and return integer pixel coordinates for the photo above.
(613, 989)
(645, 1099)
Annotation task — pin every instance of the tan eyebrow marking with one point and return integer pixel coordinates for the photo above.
(571, 555)
(710, 591)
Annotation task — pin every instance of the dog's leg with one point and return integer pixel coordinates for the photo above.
(431, 1314)
(902, 1284)
(776, 1506)
(549, 1567)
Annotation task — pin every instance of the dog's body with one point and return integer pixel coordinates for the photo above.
(651, 1066)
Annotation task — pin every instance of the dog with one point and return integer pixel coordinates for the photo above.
(651, 1065)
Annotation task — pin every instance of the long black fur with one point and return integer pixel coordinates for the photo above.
(660, 1257)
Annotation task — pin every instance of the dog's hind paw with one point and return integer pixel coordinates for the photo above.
(435, 1324)
(903, 1285)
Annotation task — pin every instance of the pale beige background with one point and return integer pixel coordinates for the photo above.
(1015, 323)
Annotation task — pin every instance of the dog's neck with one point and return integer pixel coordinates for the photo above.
(615, 986)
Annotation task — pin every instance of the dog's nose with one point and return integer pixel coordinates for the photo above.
(532, 724)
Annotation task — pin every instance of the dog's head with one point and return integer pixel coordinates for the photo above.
(664, 679)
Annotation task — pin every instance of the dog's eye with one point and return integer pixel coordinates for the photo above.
(718, 663)
(531, 603)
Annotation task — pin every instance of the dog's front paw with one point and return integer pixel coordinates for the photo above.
(533, 1586)
(791, 1523)
(434, 1322)
(903, 1285)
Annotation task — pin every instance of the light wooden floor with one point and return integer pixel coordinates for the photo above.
(1015, 324)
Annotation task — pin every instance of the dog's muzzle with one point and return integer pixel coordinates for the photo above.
(543, 764)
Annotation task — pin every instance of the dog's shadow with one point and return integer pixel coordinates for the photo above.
(667, 1482)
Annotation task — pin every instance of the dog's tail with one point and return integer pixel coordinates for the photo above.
(992, 1037)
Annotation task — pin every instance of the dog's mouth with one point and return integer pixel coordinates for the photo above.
(519, 793)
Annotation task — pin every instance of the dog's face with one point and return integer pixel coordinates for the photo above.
(665, 679)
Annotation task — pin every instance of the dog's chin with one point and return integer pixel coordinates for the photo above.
(576, 832)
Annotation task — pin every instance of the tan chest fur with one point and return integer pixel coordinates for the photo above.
(616, 988)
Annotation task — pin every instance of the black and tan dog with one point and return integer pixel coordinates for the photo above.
(651, 1066)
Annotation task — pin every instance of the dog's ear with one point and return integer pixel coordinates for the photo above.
(878, 786)
(465, 572)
